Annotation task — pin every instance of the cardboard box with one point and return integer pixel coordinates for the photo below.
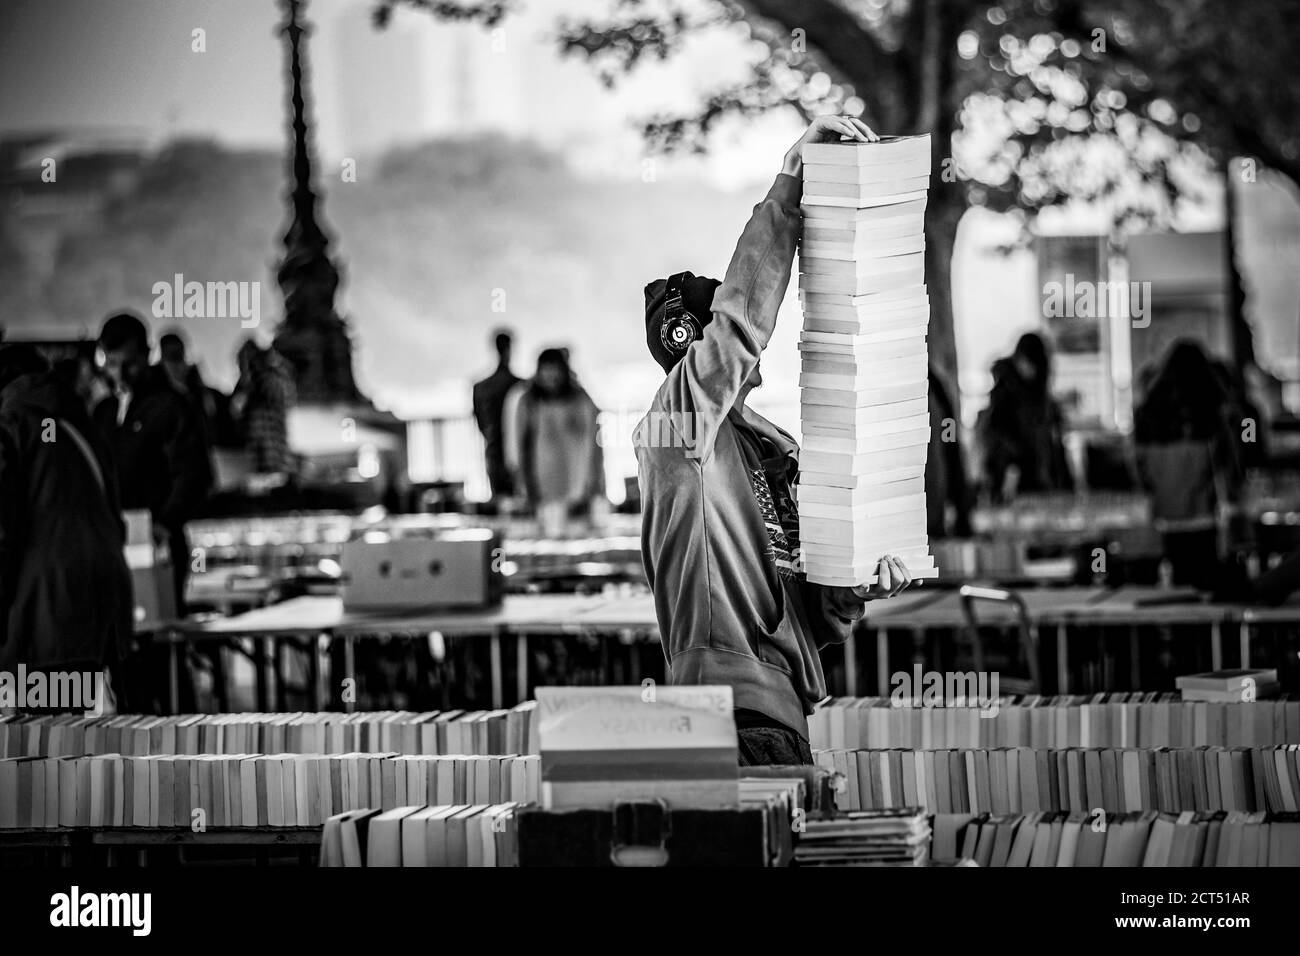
(456, 569)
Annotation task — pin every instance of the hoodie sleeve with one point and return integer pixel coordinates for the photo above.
(703, 386)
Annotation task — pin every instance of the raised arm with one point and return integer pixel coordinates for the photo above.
(704, 385)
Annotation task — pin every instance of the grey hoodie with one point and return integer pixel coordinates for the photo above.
(725, 614)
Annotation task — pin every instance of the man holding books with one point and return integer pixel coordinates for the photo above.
(720, 530)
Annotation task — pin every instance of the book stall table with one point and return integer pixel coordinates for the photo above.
(918, 611)
(1131, 606)
(1059, 609)
(1286, 615)
(318, 620)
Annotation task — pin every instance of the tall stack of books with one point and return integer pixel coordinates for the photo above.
(866, 838)
(864, 379)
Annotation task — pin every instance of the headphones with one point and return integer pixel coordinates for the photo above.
(679, 328)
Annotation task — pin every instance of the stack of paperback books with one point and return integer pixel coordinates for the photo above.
(601, 746)
(1229, 686)
(866, 838)
(864, 379)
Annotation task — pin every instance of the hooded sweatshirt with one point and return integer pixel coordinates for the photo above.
(65, 590)
(718, 533)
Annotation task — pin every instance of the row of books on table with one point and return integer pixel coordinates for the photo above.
(1099, 720)
(1145, 839)
(404, 732)
(456, 835)
(250, 790)
(483, 835)
(1023, 779)
(488, 835)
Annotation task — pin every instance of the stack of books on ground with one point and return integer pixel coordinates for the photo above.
(404, 732)
(864, 379)
(601, 746)
(1024, 779)
(1231, 686)
(456, 835)
(898, 837)
(1119, 720)
(247, 790)
(1147, 839)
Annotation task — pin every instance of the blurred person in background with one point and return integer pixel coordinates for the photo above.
(65, 590)
(211, 404)
(260, 405)
(489, 406)
(81, 375)
(156, 439)
(1188, 460)
(945, 471)
(1022, 429)
(1250, 418)
(551, 434)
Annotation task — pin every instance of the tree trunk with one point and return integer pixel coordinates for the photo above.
(947, 201)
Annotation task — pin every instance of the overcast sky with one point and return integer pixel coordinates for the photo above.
(129, 66)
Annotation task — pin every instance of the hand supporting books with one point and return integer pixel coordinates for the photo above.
(825, 129)
(892, 577)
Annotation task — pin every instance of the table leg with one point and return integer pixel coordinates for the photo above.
(277, 674)
(494, 651)
(317, 642)
(882, 661)
(1134, 660)
(1062, 661)
(1216, 647)
(259, 668)
(174, 676)
(350, 673)
(918, 647)
(1243, 636)
(521, 666)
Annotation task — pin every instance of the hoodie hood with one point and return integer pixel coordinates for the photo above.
(43, 394)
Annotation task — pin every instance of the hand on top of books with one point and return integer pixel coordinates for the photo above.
(892, 577)
(826, 129)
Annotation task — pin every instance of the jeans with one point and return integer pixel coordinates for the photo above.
(772, 746)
